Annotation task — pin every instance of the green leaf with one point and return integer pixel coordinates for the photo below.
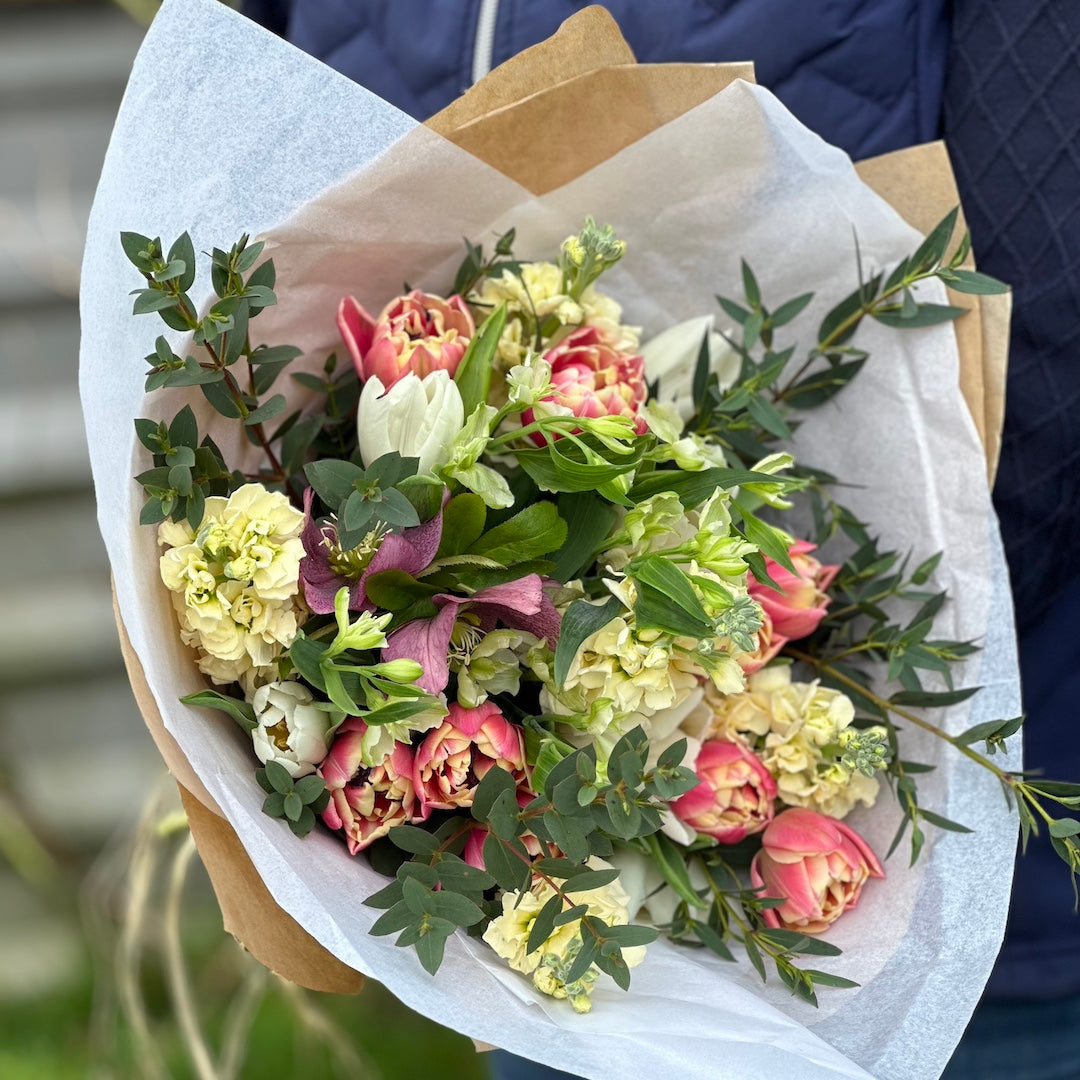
(463, 523)
(629, 935)
(821, 386)
(841, 322)
(279, 777)
(293, 806)
(544, 924)
(590, 879)
(936, 699)
(670, 580)
(1064, 827)
(134, 244)
(588, 519)
(473, 375)
(795, 942)
(458, 909)
(924, 315)
(240, 711)
(943, 822)
(395, 590)
(455, 873)
(397, 712)
(655, 611)
(971, 281)
(584, 959)
(669, 860)
(430, 950)
(769, 539)
(545, 759)
(712, 940)
(506, 867)
(624, 815)
(556, 469)
(566, 832)
(184, 431)
(790, 310)
(149, 300)
(152, 513)
(180, 480)
(750, 285)
(581, 621)
(392, 920)
(495, 783)
(754, 954)
(924, 571)
(266, 411)
(306, 656)
(309, 788)
(823, 978)
(218, 396)
(396, 510)
(693, 488)
(410, 838)
(332, 480)
(733, 310)
(701, 372)
(932, 250)
(183, 251)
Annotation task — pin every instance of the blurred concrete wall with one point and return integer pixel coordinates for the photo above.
(67, 720)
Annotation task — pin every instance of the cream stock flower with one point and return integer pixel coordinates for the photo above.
(508, 934)
(535, 294)
(794, 728)
(639, 670)
(235, 582)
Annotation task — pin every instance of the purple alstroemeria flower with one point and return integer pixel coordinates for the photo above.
(520, 605)
(325, 568)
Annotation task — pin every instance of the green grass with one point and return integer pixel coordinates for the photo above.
(49, 1039)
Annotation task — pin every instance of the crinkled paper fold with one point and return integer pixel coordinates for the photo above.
(224, 130)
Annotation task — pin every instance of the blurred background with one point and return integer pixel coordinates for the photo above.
(113, 962)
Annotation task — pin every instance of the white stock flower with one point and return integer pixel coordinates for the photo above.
(790, 725)
(235, 582)
(672, 355)
(415, 417)
(508, 934)
(535, 293)
(291, 730)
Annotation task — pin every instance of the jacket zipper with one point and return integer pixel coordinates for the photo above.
(484, 46)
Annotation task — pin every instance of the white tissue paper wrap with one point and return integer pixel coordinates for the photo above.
(225, 129)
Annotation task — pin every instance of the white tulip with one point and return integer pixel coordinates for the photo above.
(671, 357)
(291, 730)
(416, 417)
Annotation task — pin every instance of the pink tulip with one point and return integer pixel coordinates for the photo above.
(367, 803)
(593, 379)
(457, 755)
(797, 612)
(769, 644)
(817, 864)
(417, 333)
(735, 796)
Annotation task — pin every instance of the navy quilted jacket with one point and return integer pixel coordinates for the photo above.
(870, 76)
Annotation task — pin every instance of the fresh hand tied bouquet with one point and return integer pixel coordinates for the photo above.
(504, 606)
(570, 623)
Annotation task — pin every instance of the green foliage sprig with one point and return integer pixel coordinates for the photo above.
(577, 811)
(243, 290)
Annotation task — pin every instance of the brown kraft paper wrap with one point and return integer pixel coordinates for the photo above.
(582, 91)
